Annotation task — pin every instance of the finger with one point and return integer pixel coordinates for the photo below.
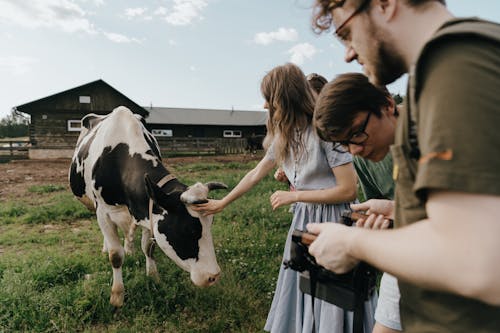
(379, 221)
(314, 228)
(370, 221)
(360, 223)
(360, 206)
(385, 224)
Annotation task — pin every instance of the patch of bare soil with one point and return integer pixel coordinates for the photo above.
(17, 176)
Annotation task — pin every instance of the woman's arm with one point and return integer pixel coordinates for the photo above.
(344, 191)
(251, 179)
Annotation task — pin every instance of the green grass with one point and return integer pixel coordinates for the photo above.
(54, 278)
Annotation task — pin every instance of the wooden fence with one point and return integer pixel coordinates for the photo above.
(200, 146)
(13, 150)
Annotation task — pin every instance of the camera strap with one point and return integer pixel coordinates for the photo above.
(312, 280)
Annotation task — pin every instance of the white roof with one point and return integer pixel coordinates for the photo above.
(159, 115)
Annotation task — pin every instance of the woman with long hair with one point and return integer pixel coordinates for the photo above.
(324, 182)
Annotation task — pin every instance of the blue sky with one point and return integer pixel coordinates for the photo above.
(169, 53)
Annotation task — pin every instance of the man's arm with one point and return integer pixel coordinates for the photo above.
(457, 249)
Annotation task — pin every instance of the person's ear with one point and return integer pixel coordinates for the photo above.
(386, 8)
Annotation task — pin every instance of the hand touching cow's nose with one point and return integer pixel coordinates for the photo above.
(209, 208)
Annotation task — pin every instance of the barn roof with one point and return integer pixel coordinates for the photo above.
(100, 85)
(160, 115)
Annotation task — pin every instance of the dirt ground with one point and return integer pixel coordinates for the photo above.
(17, 176)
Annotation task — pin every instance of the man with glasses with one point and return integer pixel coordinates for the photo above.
(446, 248)
(361, 118)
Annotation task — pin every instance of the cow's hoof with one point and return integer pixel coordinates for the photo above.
(117, 296)
(117, 300)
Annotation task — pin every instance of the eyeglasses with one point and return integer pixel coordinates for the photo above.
(357, 138)
(362, 7)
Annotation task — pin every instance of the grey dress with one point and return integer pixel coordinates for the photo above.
(291, 309)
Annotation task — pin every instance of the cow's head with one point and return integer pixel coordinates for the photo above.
(182, 233)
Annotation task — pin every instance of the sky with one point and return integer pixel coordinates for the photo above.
(169, 53)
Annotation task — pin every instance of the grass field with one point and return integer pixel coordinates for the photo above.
(54, 278)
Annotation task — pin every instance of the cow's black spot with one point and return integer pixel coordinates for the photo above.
(83, 150)
(76, 181)
(121, 178)
(182, 232)
(152, 143)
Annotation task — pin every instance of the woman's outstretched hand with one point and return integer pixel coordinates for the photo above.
(209, 208)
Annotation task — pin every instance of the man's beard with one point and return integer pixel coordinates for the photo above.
(388, 64)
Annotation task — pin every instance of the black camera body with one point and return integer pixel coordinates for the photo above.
(342, 290)
(347, 290)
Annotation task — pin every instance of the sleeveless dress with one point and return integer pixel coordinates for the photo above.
(291, 310)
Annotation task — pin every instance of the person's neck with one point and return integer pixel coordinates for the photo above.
(417, 25)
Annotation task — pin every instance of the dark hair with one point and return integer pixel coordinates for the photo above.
(316, 81)
(291, 105)
(322, 11)
(342, 99)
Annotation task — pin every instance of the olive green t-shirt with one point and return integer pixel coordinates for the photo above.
(457, 112)
(375, 177)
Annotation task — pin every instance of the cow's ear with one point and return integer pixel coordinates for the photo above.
(167, 201)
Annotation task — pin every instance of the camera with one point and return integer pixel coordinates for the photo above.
(348, 290)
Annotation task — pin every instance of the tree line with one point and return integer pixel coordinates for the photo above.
(13, 125)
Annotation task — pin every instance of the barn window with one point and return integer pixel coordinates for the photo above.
(162, 132)
(74, 125)
(232, 134)
(84, 99)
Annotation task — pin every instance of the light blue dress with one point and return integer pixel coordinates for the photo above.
(291, 310)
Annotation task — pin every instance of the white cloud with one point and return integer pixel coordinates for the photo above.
(192, 68)
(96, 3)
(282, 34)
(17, 65)
(131, 13)
(160, 11)
(172, 42)
(185, 12)
(60, 14)
(301, 52)
(119, 38)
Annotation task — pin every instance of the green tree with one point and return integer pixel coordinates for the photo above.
(13, 125)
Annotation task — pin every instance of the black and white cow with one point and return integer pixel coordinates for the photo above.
(117, 170)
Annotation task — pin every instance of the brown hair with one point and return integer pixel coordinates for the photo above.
(342, 99)
(291, 106)
(316, 81)
(322, 11)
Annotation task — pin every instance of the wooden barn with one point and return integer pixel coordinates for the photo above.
(55, 122)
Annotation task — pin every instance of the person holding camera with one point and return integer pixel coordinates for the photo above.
(353, 104)
(325, 184)
(445, 248)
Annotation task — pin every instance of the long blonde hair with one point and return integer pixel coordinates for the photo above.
(291, 106)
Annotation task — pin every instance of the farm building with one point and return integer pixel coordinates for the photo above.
(55, 122)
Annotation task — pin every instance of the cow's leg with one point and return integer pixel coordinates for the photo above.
(129, 238)
(121, 217)
(148, 245)
(115, 253)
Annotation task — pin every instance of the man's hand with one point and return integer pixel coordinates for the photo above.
(377, 207)
(281, 198)
(331, 248)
